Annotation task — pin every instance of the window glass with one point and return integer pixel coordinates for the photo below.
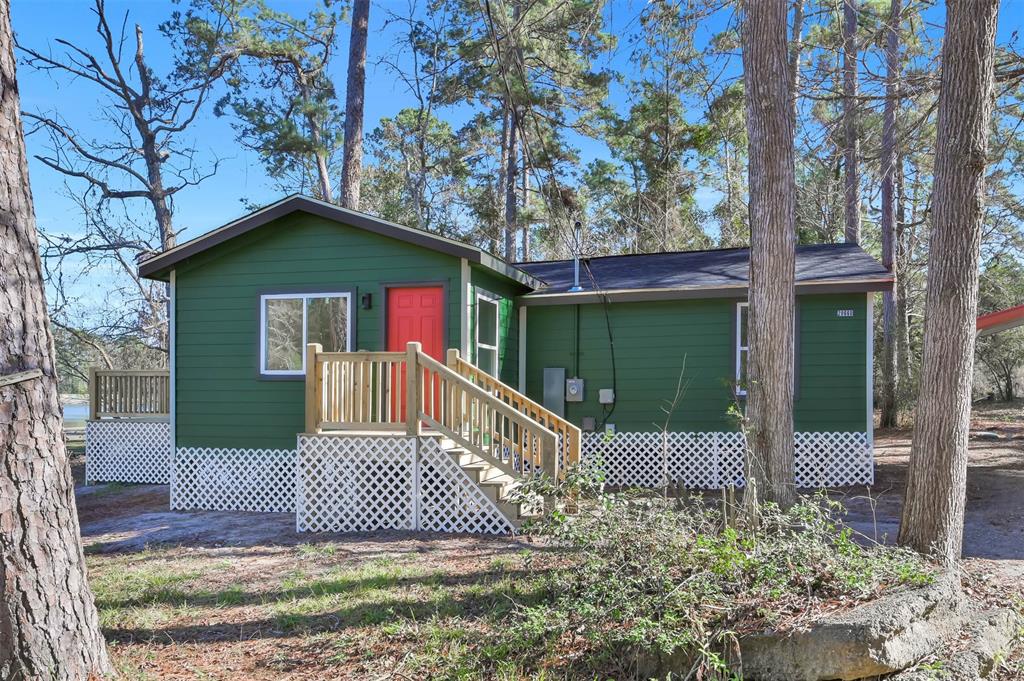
(290, 322)
(487, 322)
(327, 323)
(487, 360)
(742, 348)
(284, 346)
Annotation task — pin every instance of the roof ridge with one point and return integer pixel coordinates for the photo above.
(699, 250)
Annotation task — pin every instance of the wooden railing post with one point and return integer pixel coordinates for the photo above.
(93, 394)
(453, 358)
(313, 396)
(413, 391)
(549, 454)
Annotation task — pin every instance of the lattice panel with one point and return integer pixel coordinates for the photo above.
(356, 484)
(833, 459)
(449, 501)
(715, 460)
(365, 483)
(216, 479)
(699, 460)
(128, 451)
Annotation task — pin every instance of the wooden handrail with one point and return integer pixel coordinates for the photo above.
(399, 391)
(138, 393)
(569, 435)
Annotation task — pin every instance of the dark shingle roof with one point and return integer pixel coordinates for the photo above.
(712, 269)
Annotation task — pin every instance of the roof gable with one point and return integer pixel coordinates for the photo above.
(159, 266)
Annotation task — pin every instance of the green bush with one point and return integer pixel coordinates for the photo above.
(643, 577)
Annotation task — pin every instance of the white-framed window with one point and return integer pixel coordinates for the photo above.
(288, 321)
(742, 347)
(487, 333)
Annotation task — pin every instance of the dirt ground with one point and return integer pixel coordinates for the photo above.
(994, 520)
(226, 595)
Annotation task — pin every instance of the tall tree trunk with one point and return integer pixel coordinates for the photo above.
(49, 628)
(933, 511)
(526, 208)
(772, 250)
(352, 163)
(511, 197)
(851, 152)
(796, 47)
(904, 381)
(890, 369)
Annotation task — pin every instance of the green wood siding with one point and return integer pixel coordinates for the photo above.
(832, 360)
(508, 321)
(654, 341)
(221, 399)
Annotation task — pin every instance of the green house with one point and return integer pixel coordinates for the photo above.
(607, 354)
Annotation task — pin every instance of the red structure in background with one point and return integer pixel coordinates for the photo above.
(1001, 320)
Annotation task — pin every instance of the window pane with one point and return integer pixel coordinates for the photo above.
(487, 359)
(743, 371)
(327, 323)
(284, 334)
(743, 325)
(487, 321)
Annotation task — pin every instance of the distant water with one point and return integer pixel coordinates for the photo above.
(75, 415)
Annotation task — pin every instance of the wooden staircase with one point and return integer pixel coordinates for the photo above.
(496, 435)
(497, 485)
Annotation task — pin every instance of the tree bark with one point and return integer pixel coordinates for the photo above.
(890, 369)
(49, 628)
(772, 250)
(511, 198)
(796, 47)
(851, 152)
(933, 511)
(352, 163)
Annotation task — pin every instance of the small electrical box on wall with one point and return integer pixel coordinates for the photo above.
(606, 396)
(589, 424)
(574, 390)
(609, 429)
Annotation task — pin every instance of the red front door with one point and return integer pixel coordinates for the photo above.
(417, 314)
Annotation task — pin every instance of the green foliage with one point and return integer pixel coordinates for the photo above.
(648, 578)
(279, 86)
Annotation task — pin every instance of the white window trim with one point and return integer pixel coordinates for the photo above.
(740, 349)
(304, 297)
(496, 301)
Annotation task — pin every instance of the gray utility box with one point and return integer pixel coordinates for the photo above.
(574, 390)
(554, 390)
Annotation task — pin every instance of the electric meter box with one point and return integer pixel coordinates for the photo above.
(606, 396)
(574, 390)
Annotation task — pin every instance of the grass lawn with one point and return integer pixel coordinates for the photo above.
(390, 607)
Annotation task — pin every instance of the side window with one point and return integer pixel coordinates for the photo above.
(289, 321)
(487, 333)
(742, 348)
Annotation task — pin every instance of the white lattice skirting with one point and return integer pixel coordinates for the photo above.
(128, 451)
(221, 479)
(715, 460)
(365, 483)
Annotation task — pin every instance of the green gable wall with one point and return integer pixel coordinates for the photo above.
(221, 399)
(508, 320)
(655, 341)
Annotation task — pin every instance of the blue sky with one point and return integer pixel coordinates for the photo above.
(241, 178)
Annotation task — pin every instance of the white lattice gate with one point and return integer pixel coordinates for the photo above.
(715, 460)
(365, 483)
(128, 451)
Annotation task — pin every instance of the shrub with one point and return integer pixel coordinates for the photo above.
(643, 577)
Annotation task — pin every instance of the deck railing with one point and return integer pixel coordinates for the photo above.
(403, 391)
(138, 394)
(568, 434)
